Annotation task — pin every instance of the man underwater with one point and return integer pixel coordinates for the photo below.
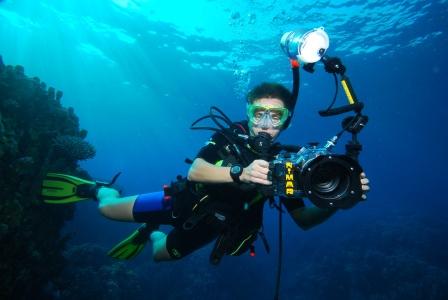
(221, 199)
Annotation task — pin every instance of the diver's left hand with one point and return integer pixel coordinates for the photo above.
(365, 185)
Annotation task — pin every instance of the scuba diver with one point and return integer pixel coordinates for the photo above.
(240, 169)
(221, 199)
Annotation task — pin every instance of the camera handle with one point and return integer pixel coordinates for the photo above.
(262, 144)
(333, 65)
(354, 125)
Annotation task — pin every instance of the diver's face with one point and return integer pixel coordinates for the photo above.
(267, 127)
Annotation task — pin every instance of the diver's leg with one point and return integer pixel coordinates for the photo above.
(181, 242)
(143, 208)
(140, 208)
(114, 207)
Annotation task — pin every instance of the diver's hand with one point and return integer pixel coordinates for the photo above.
(365, 185)
(256, 172)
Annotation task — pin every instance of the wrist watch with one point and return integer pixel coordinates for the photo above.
(235, 172)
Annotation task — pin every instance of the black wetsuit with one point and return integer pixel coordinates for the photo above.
(241, 206)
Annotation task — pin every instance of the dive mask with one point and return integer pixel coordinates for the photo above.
(267, 115)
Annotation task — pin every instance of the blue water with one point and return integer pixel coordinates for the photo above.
(138, 73)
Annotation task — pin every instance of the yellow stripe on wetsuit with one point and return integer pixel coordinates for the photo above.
(242, 243)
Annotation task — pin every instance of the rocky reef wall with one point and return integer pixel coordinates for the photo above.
(37, 135)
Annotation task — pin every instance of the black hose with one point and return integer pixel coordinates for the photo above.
(280, 252)
(217, 115)
(335, 92)
(223, 117)
(294, 94)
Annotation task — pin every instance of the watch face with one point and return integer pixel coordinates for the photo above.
(236, 169)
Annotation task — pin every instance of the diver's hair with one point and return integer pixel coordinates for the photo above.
(270, 90)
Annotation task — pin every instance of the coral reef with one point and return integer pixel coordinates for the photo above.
(90, 274)
(73, 148)
(400, 258)
(31, 120)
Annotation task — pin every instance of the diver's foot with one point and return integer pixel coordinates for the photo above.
(157, 236)
(87, 191)
(60, 188)
(159, 251)
(132, 245)
(106, 192)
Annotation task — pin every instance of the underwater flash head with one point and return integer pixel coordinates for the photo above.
(309, 47)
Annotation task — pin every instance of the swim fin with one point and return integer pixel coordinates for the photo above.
(62, 188)
(133, 244)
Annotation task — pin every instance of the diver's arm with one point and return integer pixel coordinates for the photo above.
(203, 171)
(308, 217)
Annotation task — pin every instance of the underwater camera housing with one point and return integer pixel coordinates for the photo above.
(327, 179)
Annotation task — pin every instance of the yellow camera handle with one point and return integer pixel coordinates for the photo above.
(349, 92)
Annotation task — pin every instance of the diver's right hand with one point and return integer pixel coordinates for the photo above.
(256, 172)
